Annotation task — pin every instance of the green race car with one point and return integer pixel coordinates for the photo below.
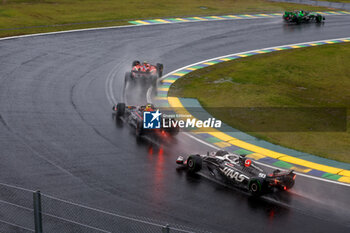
(302, 17)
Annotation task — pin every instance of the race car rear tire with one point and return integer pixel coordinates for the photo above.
(318, 18)
(174, 131)
(296, 19)
(139, 129)
(120, 109)
(160, 69)
(255, 187)
(194, 163)
(134, 63)
(288, 182)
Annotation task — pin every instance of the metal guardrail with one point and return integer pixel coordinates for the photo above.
(23, 210)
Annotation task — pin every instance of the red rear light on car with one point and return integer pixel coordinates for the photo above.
(160, 152)
(284, 188)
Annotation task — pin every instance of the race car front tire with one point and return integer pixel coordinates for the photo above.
(139, 129)
(134, 63)
(160, 69)
(194, 163)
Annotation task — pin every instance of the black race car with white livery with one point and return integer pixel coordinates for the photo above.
(134, 116)
(239, 171)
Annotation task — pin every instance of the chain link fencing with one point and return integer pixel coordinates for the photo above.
(18, 208)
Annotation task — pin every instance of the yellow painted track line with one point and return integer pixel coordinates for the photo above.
(179, 74)
(142, 22)
(234, 16)
(200, 18)
(162, 21)
(216, 17)
(251, 16)
(181, 19)
(168, 81)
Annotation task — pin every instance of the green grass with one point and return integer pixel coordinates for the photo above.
(31, 16)
(308, 77)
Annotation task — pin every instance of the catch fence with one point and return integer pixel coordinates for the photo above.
(23, 210)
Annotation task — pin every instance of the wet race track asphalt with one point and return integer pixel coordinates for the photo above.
(57, 133)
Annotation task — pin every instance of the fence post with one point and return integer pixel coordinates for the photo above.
(166, 229)
(37, 212)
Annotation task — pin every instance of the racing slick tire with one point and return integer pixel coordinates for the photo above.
(288, 182)
(255, 187)
(319, 18)
(194, 163)
(134, 63)
(296, 19)
(160, 69)
(139, 129)
(120, 109)
(174, 131)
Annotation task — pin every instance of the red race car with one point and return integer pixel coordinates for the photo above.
(144, 73)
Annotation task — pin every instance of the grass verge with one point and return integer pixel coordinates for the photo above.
(19, 17)
(302, 78)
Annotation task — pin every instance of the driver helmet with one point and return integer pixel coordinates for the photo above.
(146, 64)
(221, 153)
(149, 108)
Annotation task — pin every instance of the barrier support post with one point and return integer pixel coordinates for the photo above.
(37, 212)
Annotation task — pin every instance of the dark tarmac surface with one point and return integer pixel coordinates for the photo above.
(57, 133)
